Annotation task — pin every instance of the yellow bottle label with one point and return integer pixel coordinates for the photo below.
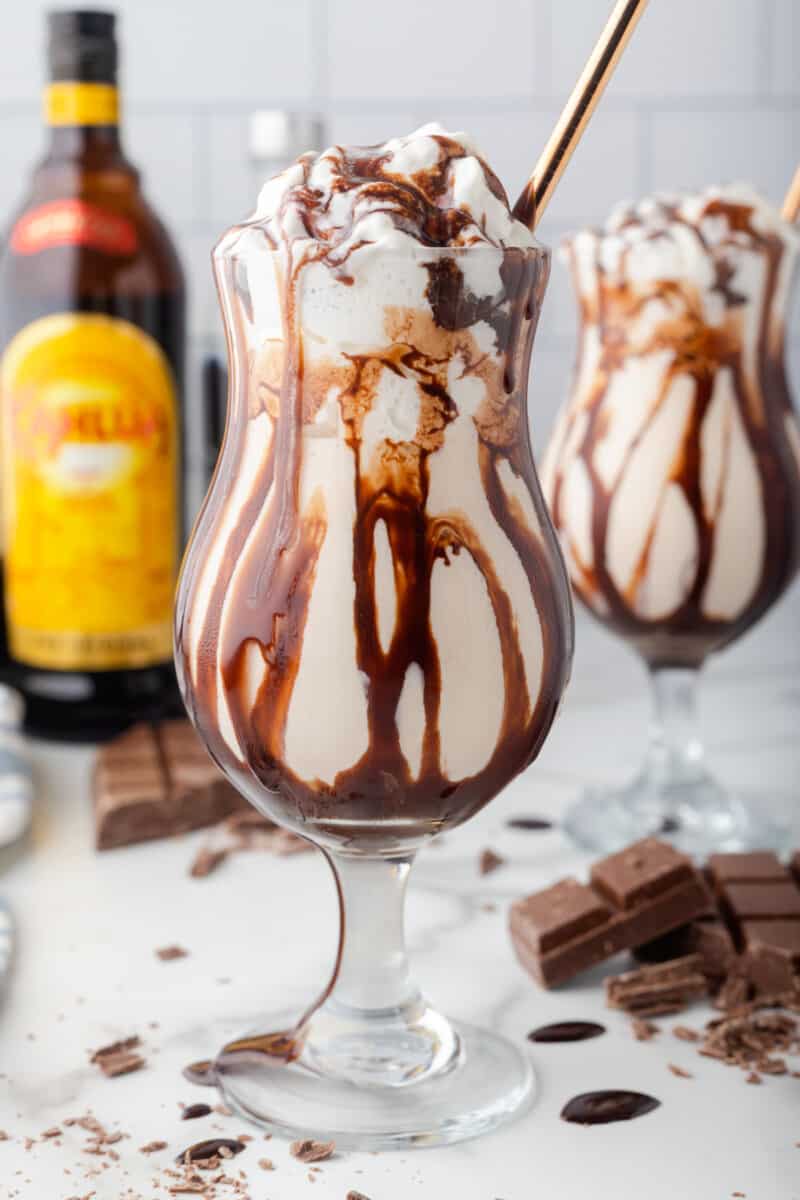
(73, 103)
(89, 494)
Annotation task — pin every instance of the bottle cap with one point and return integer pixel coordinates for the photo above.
(275, 134)
(81, 46)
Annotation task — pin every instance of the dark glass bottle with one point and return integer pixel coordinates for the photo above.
(92, 336)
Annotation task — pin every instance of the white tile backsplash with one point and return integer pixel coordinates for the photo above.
(691, 149)
(431, 49)
(784, 76)
(681, 47)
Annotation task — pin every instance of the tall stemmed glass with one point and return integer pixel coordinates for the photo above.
(373, 635)
(673, 478)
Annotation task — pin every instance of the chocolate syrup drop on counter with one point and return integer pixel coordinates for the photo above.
(530, 824)
(567, 1031)
(204, 1150)
(601, 1108)
(193, 1111)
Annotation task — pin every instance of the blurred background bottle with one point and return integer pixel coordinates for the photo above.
(275, 139)
(92, 316)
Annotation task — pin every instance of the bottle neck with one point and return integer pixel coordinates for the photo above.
(83, 120)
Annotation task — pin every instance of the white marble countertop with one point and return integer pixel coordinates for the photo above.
(260, 934)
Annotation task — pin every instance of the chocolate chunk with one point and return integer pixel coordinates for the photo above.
(648, 868)
(212, 1148)
(761, 901)
(601, 1108)
(772, 954)
(658, 989)
(750, 945)
(489, 861)
(758, 866)
(309, 1151)
(155, 781)
(636, 895)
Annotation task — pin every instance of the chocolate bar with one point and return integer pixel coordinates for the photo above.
(155, 781)
(633, 896)
(756, 932)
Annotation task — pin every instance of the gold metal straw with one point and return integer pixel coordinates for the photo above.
(791, 205)
(577, 111)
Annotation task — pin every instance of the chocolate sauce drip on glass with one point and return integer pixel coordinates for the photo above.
(686, 636)
(567, 1031)
(273, 551)
(602, 1108)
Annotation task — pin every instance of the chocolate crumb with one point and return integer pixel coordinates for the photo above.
(753, 1077)
(266, 1164)
(643, 1031)
(489, 861)
(170, 953)
(308, 1151)
(53, 1132)
(206, 861)
(356, 1196)
(685, 1033)
(679, 1071)
(152, 1147)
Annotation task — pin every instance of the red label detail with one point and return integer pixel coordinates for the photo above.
(73, 223)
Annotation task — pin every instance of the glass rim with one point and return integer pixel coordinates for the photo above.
(225, 246)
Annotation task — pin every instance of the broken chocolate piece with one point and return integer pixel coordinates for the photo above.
(309, 1151)
(212, 1148)
(120, 1058)
(658, 989)
(635, 896)
(155, 781)
(707, 936)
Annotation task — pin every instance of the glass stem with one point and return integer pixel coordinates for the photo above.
(676, 754)
(373, 972)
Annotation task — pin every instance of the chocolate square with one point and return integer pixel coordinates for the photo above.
(646, 869)
(773, 954)
(759, 866)
(558, 913)
(762, 901)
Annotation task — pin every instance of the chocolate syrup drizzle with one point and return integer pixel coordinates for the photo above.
(267, 580)
(687, 635)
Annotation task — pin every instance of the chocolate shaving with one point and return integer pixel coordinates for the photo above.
(643, 1030)
(679, 1071)
(152, 1147)
(170, 953)
(309, 1151)
(119, 1058)
(206, 861)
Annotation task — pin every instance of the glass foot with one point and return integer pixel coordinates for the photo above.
(485, 1081)
(697, 816)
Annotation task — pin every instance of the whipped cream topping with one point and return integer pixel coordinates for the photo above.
(672, 474)
(431, 186)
